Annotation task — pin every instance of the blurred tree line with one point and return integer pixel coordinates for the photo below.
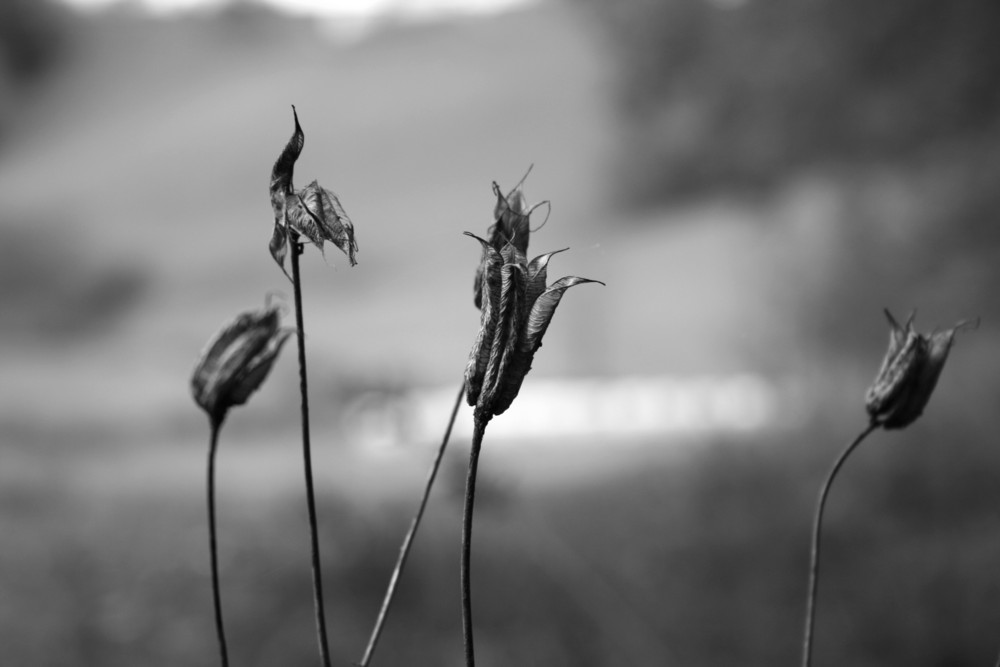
(893, 104)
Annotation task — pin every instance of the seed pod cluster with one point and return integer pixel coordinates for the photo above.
(516, 309)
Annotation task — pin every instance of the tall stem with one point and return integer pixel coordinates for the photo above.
(470, 501)
(814, 552)
(404, 550)
(220, 632)
(324, 648)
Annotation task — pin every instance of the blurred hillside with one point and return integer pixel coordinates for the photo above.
(888, 113)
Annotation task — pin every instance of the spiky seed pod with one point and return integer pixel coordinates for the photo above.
(237, 360)
(314, 212)
(517, 308)
(908, 374)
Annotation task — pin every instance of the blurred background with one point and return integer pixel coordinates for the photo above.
(754, 181)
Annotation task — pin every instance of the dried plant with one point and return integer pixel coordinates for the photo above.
(232, 366)
(316, 214)
(516, 309)
(896, 398)
(510, 220)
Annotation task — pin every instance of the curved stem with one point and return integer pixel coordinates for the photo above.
(470, 501)
(216, 595)
(814, 551)
(404, 550)
(324, 648)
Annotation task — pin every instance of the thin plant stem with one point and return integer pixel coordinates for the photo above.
(324, 648)
(815, 549)
(216, 425)
(404, 550)
(470, 501)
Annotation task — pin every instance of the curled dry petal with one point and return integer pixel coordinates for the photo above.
(281, 188)
(489, 288)
(284, 167)
(537, 274)
(504, 347)
(279, 247)
(908, 374)
(317, 214)
(535, 323)
(236, 361)
(544, 308)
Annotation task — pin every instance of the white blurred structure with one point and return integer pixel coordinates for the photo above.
(629, 407)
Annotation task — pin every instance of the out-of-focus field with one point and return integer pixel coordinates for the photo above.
(134, 221)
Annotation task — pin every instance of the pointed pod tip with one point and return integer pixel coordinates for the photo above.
(581, 281)
(481, 240)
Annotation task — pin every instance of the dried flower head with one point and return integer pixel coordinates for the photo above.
(909, 373)
(511, 224)
(237, 360)
(313, 211)
(516, 309)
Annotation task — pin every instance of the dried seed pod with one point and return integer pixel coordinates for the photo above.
(900, 367)
(909, 373)
(237, 360)
(516, 311)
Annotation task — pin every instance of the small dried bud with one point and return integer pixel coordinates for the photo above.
(517, 307)
(313, 211)
(236, 361)
(909, 373)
